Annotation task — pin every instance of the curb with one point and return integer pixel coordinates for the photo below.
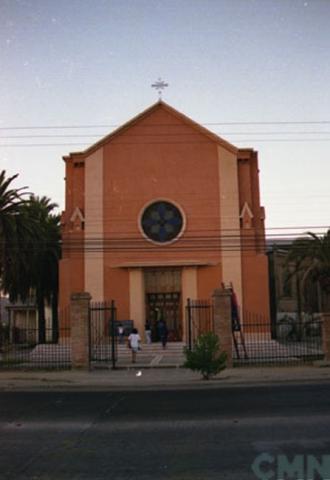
(218, 383)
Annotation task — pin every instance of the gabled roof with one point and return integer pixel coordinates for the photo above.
(133, 121)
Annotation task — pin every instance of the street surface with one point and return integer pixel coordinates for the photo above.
(185, 434)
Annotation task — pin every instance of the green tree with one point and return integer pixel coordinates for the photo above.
(14, 228)
(44, 253)
(30, 250)
(12, 222)
(206, 357)
(310, 256)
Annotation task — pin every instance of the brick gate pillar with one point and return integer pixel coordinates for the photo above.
(326, 335)
(222, 321)
(79, 313)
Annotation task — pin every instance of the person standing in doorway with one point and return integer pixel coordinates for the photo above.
(134, 340)
(147, 329)
(121, 333)
(162, 332)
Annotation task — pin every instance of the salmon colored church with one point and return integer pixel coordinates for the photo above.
(159, 211)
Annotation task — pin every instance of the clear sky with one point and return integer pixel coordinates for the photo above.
(83, 62)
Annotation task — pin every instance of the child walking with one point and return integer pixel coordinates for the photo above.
(134, 340)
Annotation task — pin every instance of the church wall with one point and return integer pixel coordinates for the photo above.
(229, 217)
(74, 187)
(208, 278)
(162, 157)
(78, 185)
(254, 259)
(139, 170)
(116, 287)
(94, 228)
(136, 174)
(137, 311)
(245, 190)
(189, 290)
(71, 268)
(71, 280)
(256, 289)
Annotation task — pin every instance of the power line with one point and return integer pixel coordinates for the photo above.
(103, 247)
(311, 122)
(227, 239)
(56, 127)
(90, 135)
(234, 232)
(43, 144)
(246, 141)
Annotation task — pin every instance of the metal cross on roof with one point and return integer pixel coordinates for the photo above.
(159, 86)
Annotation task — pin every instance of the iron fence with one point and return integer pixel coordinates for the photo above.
(258, 342)
(255, 340)
(103, 333)
(199, 319)
(19, 349)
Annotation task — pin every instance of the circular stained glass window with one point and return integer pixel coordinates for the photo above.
(162, 221)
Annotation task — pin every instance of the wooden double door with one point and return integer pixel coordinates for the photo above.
(163, 300)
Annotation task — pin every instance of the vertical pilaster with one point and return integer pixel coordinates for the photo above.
(231, 249)
(79, 313)
(189, 290)
(137, 299)
(94, 226)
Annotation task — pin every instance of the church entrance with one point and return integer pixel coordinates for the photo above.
(163, 300)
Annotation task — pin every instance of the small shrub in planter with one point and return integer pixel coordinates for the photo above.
(206, 357)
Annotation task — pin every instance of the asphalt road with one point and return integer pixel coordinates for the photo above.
(187, 434)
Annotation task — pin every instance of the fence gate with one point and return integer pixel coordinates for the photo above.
(199, 318)
(103, 336)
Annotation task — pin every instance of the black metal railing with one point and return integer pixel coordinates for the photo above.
(258, 343)
(199, 319)
(19, 348)
(103, 333)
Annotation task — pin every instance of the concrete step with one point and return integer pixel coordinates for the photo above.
(105, 351)
(157, 346)
(150, 355)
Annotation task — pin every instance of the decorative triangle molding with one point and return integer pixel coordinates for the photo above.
(246, 210)
(77, 214)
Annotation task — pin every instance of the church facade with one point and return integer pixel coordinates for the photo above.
(159, 211)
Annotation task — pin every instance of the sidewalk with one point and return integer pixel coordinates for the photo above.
(164, 378)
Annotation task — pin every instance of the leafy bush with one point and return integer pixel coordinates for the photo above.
(206, 357)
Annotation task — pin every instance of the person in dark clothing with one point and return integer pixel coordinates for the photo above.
(162, 332)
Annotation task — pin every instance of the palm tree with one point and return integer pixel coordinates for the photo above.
(311, 257)
(30, 251)
(12, 224)
(44, 253)
(11, 204)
